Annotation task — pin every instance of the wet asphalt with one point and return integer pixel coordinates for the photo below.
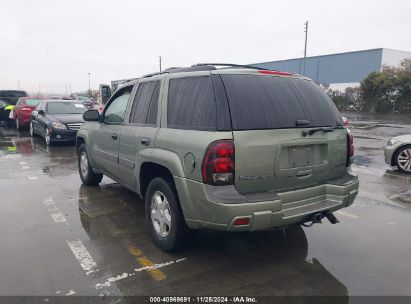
(58, 237)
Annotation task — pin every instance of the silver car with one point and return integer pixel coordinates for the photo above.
(398, 153)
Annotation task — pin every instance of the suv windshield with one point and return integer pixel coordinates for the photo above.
(269, 102)
(65, 108)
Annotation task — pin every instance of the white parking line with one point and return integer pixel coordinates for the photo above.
(57, 216)
(25, 167)
(82, 256)
(32, 177)
(71, 292)
(48, 201)
(127, 275)
(347, 214)
(22, 163)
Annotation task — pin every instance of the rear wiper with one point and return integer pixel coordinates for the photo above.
(313, 131)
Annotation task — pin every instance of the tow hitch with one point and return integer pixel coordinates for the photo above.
(317, 217)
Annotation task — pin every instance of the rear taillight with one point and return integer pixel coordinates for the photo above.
(218, 163)
(350, 148)
(26, 109)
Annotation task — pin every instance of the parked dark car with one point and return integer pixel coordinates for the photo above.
(11, 96)
(57, 120)
(4, 114)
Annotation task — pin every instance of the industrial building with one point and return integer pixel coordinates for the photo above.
(342, 68)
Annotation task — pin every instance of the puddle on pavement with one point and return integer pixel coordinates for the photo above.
(362, 160)
(402, 197)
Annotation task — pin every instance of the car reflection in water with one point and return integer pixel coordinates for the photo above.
(23, 146)
(257, 263)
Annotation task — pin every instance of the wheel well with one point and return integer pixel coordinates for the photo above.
(79, 142)
(148, 171)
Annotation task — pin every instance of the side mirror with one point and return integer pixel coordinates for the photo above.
(40, 112)
(91, 115)
(105, 93)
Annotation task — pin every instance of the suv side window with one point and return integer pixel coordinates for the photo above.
(144, 110)
(115, 112)
(191, 104)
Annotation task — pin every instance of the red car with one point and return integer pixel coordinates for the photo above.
(23, 109)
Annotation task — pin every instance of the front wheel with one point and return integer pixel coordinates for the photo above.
(403, 159)
(47, 137)
(164, 217)
(31, 129)
(87, 175)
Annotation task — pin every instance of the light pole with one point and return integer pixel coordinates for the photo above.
(89, 82)
(305, 44)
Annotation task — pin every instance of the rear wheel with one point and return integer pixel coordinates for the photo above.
(87, 175)
(403, 159)
(164, 217)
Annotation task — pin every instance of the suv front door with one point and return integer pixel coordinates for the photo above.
(138, 134)
(107, 136)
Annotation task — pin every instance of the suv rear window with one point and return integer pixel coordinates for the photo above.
(270, 102)
(191, 104)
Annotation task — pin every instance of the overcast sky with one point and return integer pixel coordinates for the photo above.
(51, 43)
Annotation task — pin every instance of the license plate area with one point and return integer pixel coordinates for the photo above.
(292, 159)
(300, 156)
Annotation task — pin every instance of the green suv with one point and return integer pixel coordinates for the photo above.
(234, 149)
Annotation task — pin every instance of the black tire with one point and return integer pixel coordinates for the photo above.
(397, 155)
(88, 177)
(178, 233)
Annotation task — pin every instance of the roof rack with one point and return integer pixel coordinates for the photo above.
(231, 65)
(193, 68)
(206, 67)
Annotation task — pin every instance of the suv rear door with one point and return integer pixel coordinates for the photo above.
(139, 132)
(269, 114)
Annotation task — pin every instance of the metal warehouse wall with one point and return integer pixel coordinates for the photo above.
(336, 68)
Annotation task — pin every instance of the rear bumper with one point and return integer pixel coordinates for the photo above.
(205, 208)
(24, 117)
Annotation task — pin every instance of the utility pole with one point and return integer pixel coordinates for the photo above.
(18, 84)
(159, 59)
(305, 45)
(89, 82)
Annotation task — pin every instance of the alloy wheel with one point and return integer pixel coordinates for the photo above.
(83, 164)
(404, 160)
(47, 137)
